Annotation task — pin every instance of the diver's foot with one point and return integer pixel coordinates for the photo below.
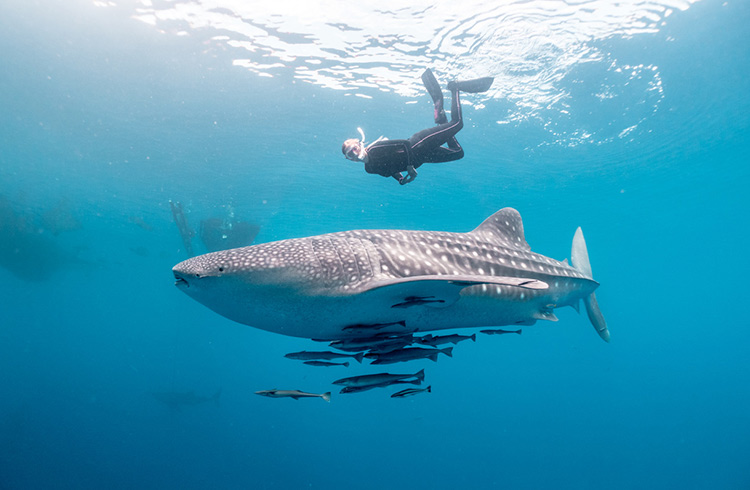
(440, 117)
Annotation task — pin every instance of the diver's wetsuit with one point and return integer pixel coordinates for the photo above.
(391, 157)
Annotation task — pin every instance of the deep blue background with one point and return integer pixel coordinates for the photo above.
(104, 114)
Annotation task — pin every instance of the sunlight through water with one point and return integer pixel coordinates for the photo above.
(532, 48)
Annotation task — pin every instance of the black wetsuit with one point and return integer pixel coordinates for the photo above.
(391, 157)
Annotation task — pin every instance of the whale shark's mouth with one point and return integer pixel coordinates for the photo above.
(180, 281)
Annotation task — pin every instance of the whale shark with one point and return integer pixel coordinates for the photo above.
(397, 281)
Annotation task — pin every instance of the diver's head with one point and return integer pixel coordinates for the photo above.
(354, 150)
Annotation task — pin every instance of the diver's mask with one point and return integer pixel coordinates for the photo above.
(357, 151)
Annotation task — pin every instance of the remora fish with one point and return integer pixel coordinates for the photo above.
(379, 379)
(500, 331)
(326, 364)
(388, 346)
(411, 392)
(435, 340)
(317, 286)
(358, 389)
(296, 394)
(408, 354)
(365, 343)
(312, 355)
(366, 329)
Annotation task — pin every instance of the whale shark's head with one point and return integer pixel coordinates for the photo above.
(233, 282)
(276, 263)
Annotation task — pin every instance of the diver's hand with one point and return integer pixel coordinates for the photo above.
(411, 175)
(405, 180)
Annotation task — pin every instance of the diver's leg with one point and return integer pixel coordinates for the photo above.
(433, 87)
(456, 115)
(426, 145)
(442, 154)
(427, 140)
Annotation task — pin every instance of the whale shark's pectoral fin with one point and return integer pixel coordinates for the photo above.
(438, 291)
(545, 315)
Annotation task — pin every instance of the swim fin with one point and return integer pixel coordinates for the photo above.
(433, 87)
(474, 86)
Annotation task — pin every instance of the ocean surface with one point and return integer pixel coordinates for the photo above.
(628, 118)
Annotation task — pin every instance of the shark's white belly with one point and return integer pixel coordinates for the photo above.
(326, 316)
(315, 287)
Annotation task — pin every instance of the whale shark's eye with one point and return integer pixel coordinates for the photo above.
(221, 269)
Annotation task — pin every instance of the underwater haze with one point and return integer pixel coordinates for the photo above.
(629, 118)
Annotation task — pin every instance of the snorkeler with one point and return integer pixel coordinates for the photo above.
(390, 158)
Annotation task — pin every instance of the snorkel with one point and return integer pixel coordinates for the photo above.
(356, 149)
(362, 152)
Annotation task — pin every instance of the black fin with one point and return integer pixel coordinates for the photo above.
(432, 85)
(475, 86)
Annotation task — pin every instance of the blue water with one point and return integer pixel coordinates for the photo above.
(104, 118)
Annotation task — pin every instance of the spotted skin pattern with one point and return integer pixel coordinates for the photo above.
(320, 285)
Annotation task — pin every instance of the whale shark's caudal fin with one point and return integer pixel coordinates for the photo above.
(580, 257)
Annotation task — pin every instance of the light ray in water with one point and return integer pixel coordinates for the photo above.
(534, 49)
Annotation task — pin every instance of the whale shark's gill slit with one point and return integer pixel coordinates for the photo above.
(373, 257)
(336, 270)
(360, 258)
(338, 246)
(315, 254)
(353, 250)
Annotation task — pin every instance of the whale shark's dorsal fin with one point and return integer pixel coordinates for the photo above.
(504, 226)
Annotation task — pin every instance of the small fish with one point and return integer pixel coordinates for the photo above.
(408, 354)
(367, 343)
(352, 349)
(314, 355)
(325, 363)
(380, 379)
(369, 328)
(435, 340)
(390, 346)
(500, 331)
(296, 394)
(417, 301)
(357, 389)
(411, 392)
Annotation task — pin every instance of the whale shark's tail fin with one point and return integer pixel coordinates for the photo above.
(579, 255)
